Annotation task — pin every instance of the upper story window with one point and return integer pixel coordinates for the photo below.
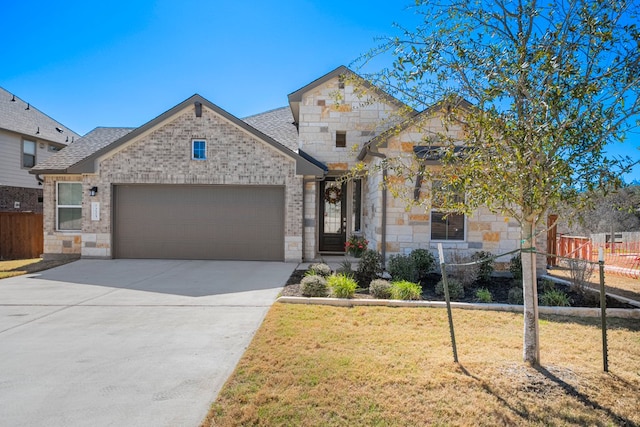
(341, 138)
(28, 153)
(446, 225)
(69, 206)
(198, 149)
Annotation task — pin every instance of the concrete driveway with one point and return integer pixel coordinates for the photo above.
(127, 342)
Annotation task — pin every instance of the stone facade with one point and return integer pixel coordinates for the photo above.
(59, 244)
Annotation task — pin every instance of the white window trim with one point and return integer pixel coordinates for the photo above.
(58, 206)
(193, 142)
(35, 153)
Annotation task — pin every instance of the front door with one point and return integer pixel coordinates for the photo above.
(333, 216)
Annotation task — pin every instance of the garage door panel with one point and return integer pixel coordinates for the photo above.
(199, 222)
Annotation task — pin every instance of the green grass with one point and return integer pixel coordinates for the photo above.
(319, 365)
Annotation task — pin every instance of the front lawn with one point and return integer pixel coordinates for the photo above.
(26, 266)
(319, 365)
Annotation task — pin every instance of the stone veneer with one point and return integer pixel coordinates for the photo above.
(163, 156)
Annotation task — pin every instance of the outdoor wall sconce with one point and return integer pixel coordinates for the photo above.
(93, 191)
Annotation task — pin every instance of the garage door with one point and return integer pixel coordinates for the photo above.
(199, 222)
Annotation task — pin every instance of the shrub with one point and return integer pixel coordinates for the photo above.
(515, 267)
(401, 267)
(423, 262)
(345, 269)
(456, 290)
(380, 288)
(581, 271)
(342, 286)
(406, 290)
(319, 269)
(314, 286)
(465, 274)
(486, 266)
(555, 298)
(547, 285)
(484, 295)
(515, 296)
(369, 267)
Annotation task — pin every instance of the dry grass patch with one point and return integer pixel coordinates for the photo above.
(16, 267)
(27, 266)
(319, 365)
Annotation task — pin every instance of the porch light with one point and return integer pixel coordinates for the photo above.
(93, 191)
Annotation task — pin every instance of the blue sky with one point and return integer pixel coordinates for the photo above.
(122, 63)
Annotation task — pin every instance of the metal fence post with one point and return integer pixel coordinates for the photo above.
(603, 310)
(443, 269)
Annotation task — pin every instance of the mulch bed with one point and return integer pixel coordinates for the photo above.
(498, 286)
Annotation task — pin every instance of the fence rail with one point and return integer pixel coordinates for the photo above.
(21, 235)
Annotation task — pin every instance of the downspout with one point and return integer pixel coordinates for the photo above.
(383, 228)
(40, 180)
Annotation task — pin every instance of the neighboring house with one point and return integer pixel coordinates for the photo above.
(27, 137)
(198, 183)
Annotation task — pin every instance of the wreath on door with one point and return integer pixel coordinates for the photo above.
(332, 195)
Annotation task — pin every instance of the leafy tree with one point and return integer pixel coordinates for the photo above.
(539, 88)
(618, 210)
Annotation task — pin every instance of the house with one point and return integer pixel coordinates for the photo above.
(27, 137)
(197, 182)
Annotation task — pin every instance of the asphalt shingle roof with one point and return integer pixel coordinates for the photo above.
(82, 148)
(21, 117)
(277, 124)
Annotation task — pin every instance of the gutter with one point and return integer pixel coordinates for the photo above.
(383, 239)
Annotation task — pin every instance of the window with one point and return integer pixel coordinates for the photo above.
(341, 139)
(69, 206)
(445, 226)
(28, 153)
(357, 205)
(198, 149)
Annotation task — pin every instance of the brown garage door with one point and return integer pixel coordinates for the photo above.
(199, 222)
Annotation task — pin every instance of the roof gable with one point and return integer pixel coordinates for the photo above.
(88, 164)
(295, 98)
(21, 117)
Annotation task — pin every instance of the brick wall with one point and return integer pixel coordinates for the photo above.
(163, 156)
(28, 199)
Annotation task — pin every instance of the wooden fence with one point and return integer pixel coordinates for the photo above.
(622, 258)
(21, 235)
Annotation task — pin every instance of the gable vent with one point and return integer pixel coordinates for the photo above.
(198, 109)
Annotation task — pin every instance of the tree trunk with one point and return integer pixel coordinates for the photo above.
(531, 348)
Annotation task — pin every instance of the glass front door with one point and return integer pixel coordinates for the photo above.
(333, 216)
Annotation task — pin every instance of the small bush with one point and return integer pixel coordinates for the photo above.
(380, 288)
(547, 285)
(401, 267)
(465, 274)
(369, 267)
(345, 269)
(406, 290)
(581, 271)
(515, 296)
(456, 290)
(342, 286)
(314, 286)
(423, 262)
(484, 295)
(319, 269)
(515, 267)
(486, 266)
(555, 298)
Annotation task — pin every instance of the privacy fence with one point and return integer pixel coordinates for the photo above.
(21, 235)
